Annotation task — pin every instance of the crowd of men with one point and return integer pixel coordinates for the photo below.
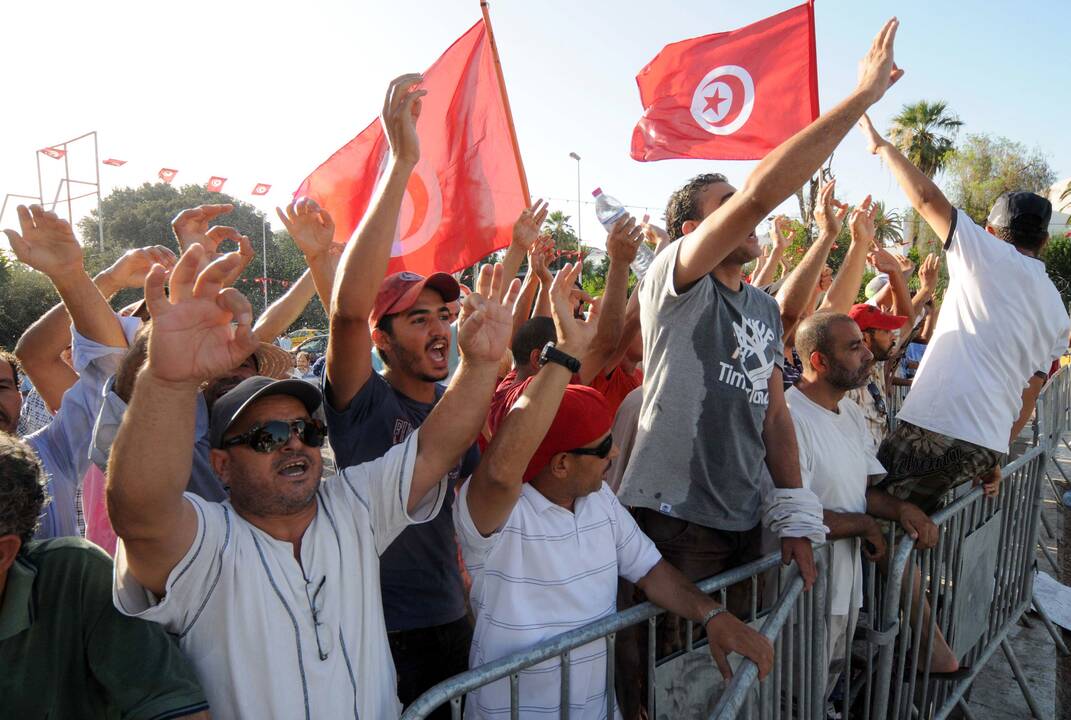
(171, 544)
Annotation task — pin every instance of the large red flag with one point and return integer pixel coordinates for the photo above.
(730, 96)
(467, 189)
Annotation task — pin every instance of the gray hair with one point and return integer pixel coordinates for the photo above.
(22, 488)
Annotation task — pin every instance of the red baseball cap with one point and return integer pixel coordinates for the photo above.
(870, 317)
(400, 290)
(583, 417)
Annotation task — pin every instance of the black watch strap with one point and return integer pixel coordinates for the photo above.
(551, 354)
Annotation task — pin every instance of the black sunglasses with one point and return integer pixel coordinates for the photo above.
(272, 435)
(601, 451)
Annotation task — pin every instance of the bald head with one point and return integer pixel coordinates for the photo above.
(832, 350)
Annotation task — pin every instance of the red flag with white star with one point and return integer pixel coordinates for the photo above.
(54, 153)
(115, 163)
(730, 96)
(467, 189)
(261, 189)
(167, 174)
(215, 184)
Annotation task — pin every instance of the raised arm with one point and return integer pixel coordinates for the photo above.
(525, 234)
(496, 484)
(282, 313)
(845, 288)
(796, 296)
(484, 333)
(192, 340)
(621, 245)
(48, 245)
(785, 169)
(191, 228)
(365, 259)
(921, 191)
(883, 261)
(40, 347)
(928, 270)
(313, 230)
(782, 238)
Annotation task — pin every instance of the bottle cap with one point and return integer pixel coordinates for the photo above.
(596, 192)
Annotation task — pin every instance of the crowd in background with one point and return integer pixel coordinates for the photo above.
(508, 461)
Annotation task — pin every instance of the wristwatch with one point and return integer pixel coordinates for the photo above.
(552, 354)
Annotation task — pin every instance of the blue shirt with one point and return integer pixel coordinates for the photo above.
(419, 574)
(63, 444)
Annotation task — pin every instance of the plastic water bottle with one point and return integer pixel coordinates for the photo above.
(609, 210)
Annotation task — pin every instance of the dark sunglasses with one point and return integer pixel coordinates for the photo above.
(600, 452)
(272, 435)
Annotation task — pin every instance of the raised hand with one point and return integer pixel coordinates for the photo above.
(574, 334)
(829, 212)
(874, 141)
(928, 272)
(624, 240)
(883, 261)
(47, 243)
(726, 633)
(861, 222)
(401, 108)
(191, 225)
(310, 226)
(486, 322)
(526, 229)
(783, 232)
(539, 259)
(877, 71)
(130, 269)
(192, 337)
(825, 280)
(654, 235)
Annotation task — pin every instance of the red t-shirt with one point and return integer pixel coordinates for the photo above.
(506, 394)
(616, 384)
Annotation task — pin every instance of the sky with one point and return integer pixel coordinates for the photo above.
(263, 91)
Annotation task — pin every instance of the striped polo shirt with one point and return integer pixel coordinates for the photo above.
(547, 571)
(270, 638)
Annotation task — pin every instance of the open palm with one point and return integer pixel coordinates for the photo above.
(486, 323)
(192, 336)
(47, 243)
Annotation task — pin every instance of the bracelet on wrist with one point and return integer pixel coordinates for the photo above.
(711, 615)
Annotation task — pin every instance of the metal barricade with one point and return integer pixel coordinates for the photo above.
(971, 589)
(794, 623)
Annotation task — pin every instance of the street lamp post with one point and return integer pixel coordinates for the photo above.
(579, 208)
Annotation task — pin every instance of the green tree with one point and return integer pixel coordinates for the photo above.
(925, 133)
(25, 295)
(985, 166)
(1057, 256)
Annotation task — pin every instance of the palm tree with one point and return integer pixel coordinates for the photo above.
(887, 225)
(924, 132)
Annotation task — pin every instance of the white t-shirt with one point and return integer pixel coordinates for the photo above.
(1002, 320)
(836, 463)
(545, 572)
(242, 607)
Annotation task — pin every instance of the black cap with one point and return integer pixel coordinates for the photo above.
(231, 404)
(1023, 211)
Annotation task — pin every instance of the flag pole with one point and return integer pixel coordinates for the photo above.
(485, 6)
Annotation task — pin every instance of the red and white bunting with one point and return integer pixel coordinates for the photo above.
(54, 153)
(114, 162)
(261, 189)
(215, 184)
(167, 174)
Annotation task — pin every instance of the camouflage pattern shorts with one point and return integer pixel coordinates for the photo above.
(923, 465)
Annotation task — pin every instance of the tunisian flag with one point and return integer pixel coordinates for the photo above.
(730, 96)
(466, 191)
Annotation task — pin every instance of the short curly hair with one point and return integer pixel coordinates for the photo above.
(22, 488)
(683, 204)
(16, 369)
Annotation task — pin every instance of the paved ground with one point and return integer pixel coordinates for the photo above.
(995, 694)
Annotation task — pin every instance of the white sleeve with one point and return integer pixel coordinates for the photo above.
(803, 446)
(636, 554)
(382, 486)
(474, 546)
(971, 244)
(191, 581)
(657, 286)
(110, 417)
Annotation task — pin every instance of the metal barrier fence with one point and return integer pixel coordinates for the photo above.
(970, 589)
(792, 624)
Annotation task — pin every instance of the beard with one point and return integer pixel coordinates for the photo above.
(409, 362)
(255, 495)
(842, 378)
